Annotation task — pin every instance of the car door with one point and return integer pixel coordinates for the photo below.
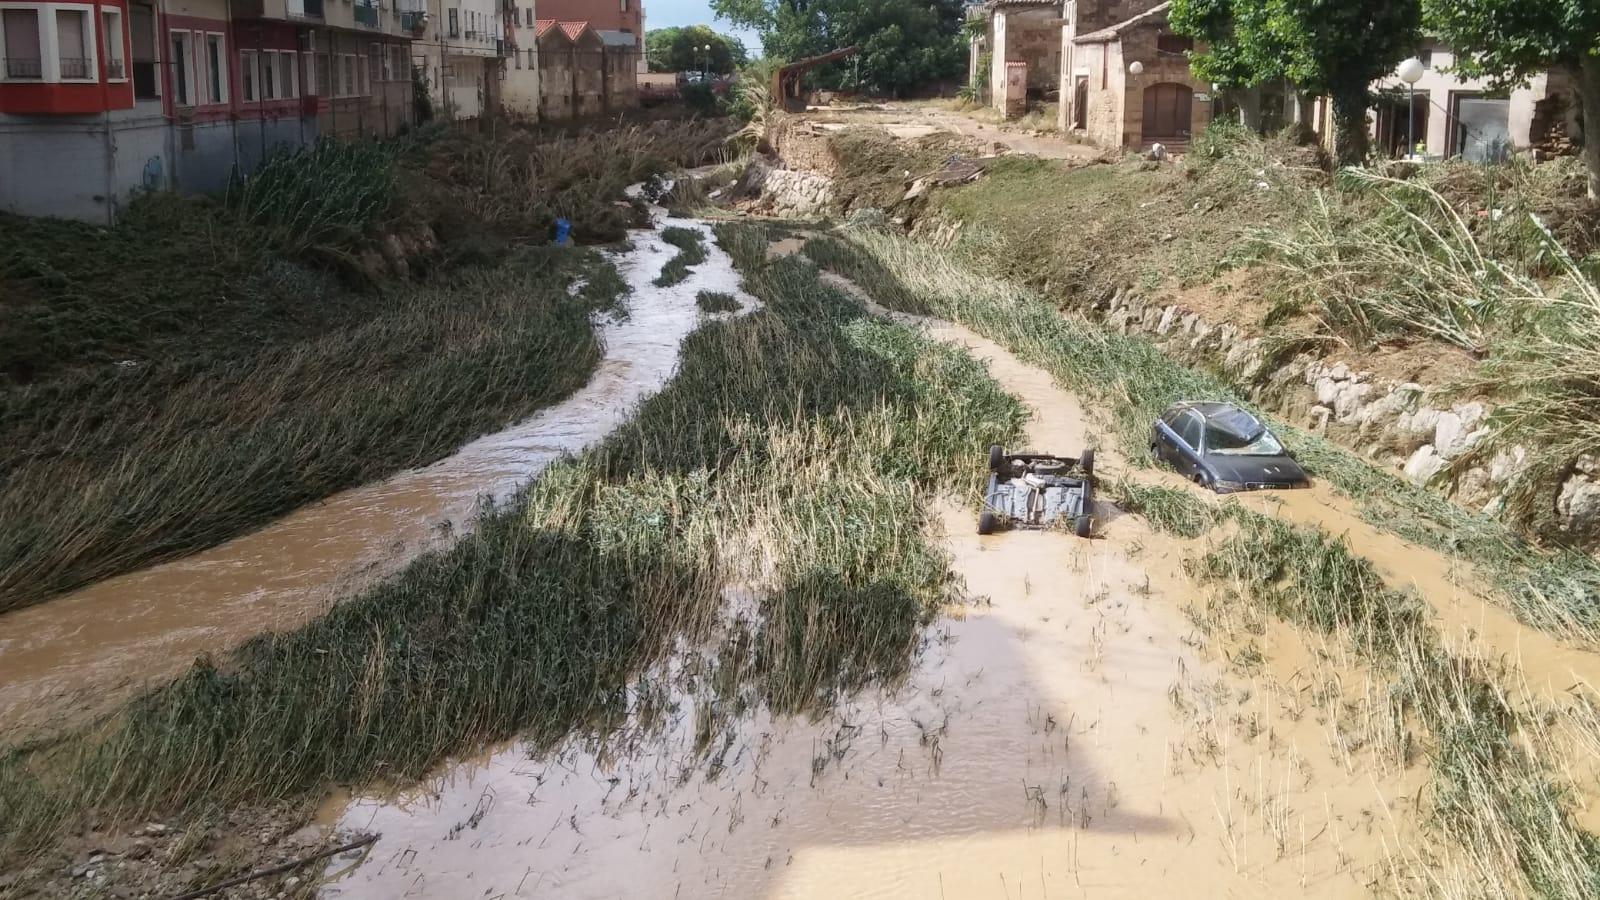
(1190, 429)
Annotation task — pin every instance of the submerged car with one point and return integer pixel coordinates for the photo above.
(1036, 490)
(1222, 447)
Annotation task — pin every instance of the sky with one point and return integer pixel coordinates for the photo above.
(666, 13)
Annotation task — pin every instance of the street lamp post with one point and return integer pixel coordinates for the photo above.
(1411, 72)
(705, 66)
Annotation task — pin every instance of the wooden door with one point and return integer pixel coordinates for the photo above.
(1168, 110)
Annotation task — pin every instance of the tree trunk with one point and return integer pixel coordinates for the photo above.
(1589, 95)
(1350, 124)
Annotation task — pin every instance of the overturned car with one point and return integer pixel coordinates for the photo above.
(1035, 490)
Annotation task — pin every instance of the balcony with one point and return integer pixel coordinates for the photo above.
(413, 21)
(115, 69)
(74, 67)
(24, 68)
(366, 15)
(303, 9)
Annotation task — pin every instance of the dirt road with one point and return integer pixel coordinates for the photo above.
(915, 120)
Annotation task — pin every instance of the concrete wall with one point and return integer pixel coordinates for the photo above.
(621, 78)
(76, 167)
(1107, 94)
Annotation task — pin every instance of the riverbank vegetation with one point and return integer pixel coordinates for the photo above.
(1477, 281)
(1499, 800)
(792, 457)
(1500, 806)
(1132, 379)
(209, 364)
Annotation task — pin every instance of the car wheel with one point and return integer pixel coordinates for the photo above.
(997, 457)
(1084, 527)
(986, 522)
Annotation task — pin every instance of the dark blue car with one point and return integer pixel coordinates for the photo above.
(1222, 447)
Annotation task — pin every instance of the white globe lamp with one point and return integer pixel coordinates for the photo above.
(1136, 68)
(1411, 71)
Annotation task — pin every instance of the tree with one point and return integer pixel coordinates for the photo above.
(1509, 40)
(677, 50)
(1333, 47)
(904, 44)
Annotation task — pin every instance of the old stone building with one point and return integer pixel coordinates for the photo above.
(1019, 51)
(583, 71)
(1126, 82)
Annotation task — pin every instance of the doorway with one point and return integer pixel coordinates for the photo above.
(1168, 112)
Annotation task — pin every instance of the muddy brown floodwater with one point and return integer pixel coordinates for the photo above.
(80, 653)
(1060, 736)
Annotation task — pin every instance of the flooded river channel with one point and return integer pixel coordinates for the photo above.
(81, 652)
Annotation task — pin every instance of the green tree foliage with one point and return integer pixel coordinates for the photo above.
(677, 50)
(1333, 47)
(1509, 40)
(904, 44)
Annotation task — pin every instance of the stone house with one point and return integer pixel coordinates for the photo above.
(584, 72)
(1130, 81)
(1021, 44)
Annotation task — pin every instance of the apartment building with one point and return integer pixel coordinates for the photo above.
(104, 98)
(462, 53)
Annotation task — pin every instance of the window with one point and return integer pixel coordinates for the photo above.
(518, 60)
(530, 20)
(111, 44)
(288, 76)
(1189, 428)
(375, 64)
(399, 66)
(1105, 54)
(23, 59)
(269, 76)
(248, 75)
(1174, 44)
(455, 26)
(532, 62)
(182, 61)
(144, 39)
(216, 69)
(624, 5)
(76, 59)
(326, 76)
(348, 62)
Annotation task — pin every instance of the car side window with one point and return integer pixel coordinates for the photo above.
(1189, 428)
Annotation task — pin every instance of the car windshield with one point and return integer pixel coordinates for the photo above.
(1230, 443)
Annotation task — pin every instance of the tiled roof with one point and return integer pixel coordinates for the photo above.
(574, 30)
(543, 26)
(1106, 35)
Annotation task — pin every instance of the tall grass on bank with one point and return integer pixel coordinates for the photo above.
(1134, 381)
(792, 455)
(104, 474)
(521, 180)
(320, 201)
(1504, 816)
(177, 278)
